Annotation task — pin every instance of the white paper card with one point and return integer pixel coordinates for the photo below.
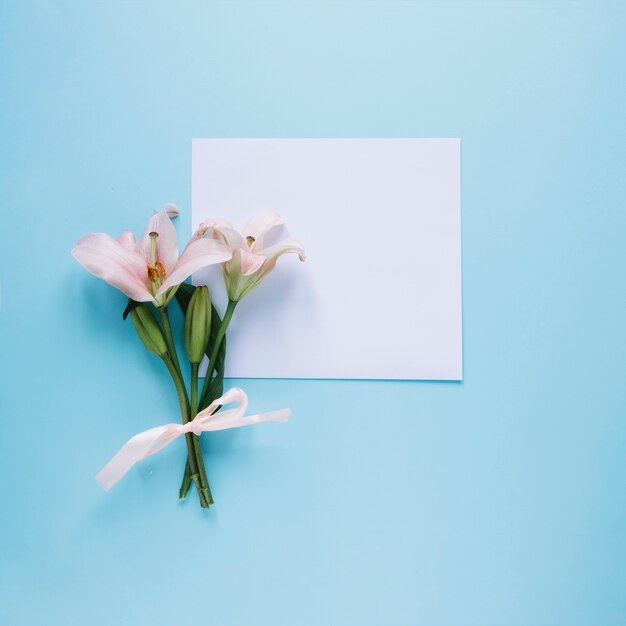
(379, 296)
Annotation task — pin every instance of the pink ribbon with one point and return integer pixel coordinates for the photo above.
(154, 439)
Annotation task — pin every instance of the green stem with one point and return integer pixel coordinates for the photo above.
(197, 444)
(219, 337)
(221, 331)
(169, 341)
(184, 412)
(196, 464)
(185, 486)
(194, 390)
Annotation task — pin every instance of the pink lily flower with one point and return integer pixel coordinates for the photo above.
(148, 270)
(250, 261)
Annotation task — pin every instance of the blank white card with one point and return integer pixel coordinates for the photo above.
(379, 295)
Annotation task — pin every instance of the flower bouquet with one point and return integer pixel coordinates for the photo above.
(151, 273)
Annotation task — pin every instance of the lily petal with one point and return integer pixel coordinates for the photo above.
(250, 262)
(172, 210)
(198, 254)
(286, 245)
(110, 260)
(273, 253)
(259, 225)
(166, 246)
(231, 237)
(127, 239)
(205, 229)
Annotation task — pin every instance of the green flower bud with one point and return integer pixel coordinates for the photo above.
(148, 330)
(198, 324)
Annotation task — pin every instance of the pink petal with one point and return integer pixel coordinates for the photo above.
(127, 239)
(272, 254)
(167, 245)
(250, 262)
(258, 226)
(172, 210)
(108, 259)
(231, 237)
(285, 246)
(206, 228)
(198, 254)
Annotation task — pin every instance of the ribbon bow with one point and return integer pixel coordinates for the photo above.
(154, 439)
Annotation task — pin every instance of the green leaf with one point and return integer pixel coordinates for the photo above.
(216, 322)
(129, 307)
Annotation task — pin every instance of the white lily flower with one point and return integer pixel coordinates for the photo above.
(251, 261)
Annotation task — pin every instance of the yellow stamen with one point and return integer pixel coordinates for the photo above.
(153, 274)
(161, 269)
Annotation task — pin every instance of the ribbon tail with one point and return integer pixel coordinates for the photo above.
(134, 450)
(234, 419)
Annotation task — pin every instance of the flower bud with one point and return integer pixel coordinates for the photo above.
(198, 324)
(148, 329)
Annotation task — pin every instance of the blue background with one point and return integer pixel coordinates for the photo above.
(499, 500)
